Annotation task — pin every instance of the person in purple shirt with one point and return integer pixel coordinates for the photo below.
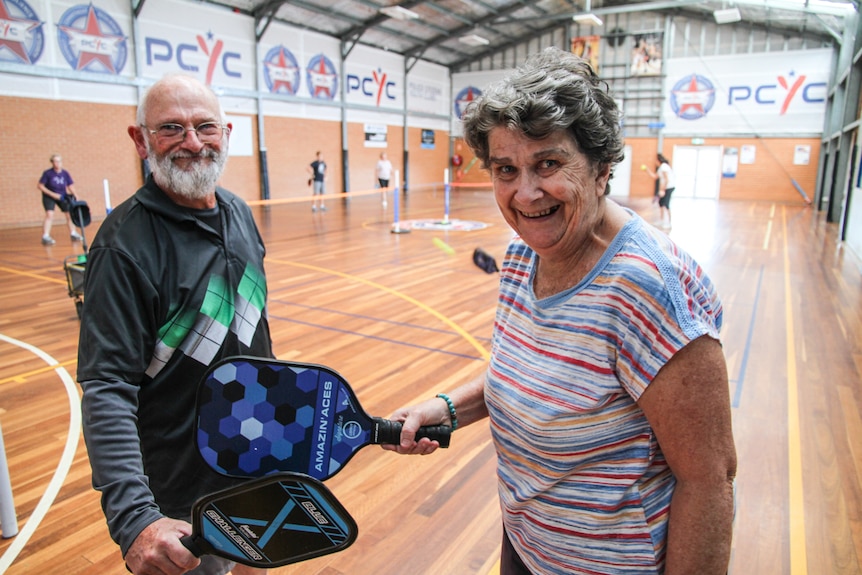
(56, 186)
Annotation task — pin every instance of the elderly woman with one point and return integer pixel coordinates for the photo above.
(607, 387)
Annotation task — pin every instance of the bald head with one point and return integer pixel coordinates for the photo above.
(178, 90)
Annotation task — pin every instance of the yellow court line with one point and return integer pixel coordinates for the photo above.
(768, 234)
(28, 274)
(461, 331)
(23, 377)
(798, 557)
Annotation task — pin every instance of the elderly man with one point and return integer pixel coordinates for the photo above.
(175, 281)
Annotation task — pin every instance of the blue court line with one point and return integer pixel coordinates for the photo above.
(378, 338)
(372, 318)
(747, 350)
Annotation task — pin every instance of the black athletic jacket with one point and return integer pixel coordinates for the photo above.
(165, 296)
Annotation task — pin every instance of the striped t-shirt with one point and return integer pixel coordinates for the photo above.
(583, 484)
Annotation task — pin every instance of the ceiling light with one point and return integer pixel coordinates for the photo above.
(727, 16)
(399, 13)
(587, 19)
(474, 40)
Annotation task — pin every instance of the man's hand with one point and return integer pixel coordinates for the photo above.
(158, 551)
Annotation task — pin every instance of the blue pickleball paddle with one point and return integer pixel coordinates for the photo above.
(257, 416)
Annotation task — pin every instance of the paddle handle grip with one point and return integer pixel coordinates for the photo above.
(188, 542)
(388, 432)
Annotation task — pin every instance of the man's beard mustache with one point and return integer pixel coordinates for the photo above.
(196, 182)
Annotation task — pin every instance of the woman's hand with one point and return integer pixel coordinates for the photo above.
(431, 412)
(468, 405)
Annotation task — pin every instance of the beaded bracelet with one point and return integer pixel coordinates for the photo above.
(451, 406)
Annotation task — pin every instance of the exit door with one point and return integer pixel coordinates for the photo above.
(698, 171)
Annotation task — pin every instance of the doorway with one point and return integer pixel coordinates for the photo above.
(621, 182)
(698, 171)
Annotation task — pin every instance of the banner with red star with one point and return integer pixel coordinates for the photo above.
(775, 93)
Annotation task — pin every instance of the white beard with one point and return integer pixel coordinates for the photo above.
(197, 182)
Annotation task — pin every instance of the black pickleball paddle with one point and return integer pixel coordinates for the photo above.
(271, 521)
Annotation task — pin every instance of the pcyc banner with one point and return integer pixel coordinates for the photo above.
(759, 94)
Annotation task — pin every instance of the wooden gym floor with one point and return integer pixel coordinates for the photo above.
(402, 319)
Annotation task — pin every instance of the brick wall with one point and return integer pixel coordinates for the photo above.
(427, 165)
(91, 138)
(94, 143)
(242, 173)
(770, 178)
(290, 147)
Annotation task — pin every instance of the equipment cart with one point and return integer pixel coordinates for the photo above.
(76, 265)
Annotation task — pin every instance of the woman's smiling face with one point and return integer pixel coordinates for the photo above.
(547, 190)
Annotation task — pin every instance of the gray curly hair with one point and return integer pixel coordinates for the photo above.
(553, 90)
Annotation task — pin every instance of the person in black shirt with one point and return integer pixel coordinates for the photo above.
(174, 282)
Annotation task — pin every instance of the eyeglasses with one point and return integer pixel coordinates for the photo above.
(208, 132)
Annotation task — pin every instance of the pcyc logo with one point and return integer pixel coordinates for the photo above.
(187, 56)
(375, 86)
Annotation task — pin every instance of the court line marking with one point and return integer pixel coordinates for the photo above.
(66, 459)
(22, 377)
(769, 228)
(798, 556)
(32, 275)
(333, 311)
(458, 329)
(374, 337)
(737, 395)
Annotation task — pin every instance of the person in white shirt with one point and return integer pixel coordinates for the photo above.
(666, 186)
(384, 170)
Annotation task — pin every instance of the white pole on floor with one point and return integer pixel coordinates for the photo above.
(8, 519)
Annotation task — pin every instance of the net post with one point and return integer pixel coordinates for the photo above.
(446, 197)
(396, 225)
